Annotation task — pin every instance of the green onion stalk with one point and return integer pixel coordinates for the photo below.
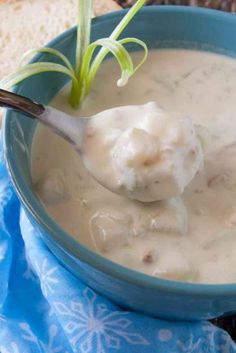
(86, 63)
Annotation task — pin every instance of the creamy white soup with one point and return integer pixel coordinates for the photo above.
(190, 237)
(146, 154)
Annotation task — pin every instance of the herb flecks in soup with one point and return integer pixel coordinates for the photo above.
(190, 237)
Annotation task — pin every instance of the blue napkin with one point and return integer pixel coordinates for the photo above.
(44, 308)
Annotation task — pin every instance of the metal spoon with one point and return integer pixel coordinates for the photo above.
(70, 128)
(119, 153)
(84, 134)
(73, 129)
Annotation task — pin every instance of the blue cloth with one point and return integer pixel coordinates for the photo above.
(44, 308)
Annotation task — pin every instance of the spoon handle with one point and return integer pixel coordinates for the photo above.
(68, 127)
(22, 104)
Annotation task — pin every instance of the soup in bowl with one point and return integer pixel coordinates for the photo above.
(172, 258)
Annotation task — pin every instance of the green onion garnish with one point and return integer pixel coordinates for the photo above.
(86, 65)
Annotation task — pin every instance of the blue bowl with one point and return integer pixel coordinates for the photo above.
(180, 27)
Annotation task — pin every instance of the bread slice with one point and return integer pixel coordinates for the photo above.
(26, 24)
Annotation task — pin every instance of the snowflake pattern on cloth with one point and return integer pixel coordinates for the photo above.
(45, 309)
(97, 324)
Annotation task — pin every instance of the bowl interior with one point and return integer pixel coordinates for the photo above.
(167, 27)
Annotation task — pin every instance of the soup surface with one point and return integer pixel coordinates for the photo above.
(188, 238)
